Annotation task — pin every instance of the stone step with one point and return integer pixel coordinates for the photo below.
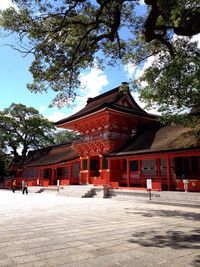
(165, 197)
(35, 189)
(77, 191)
(184, 198)
(180, 196)
(98, 193)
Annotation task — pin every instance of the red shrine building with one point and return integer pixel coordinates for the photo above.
(121, 145)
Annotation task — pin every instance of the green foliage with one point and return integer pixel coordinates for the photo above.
(2, 166)
(172, 84)
(24, 128)
(64, 136)
(186, 120)
(5, 161)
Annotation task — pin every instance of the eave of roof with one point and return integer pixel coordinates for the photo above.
(55, 156)
(103, 101)
(159, 139)
(149, 152)
(49, 163)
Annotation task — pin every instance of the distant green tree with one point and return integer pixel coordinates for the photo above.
(2, 166)
(5, 160)
(64, 136)
(23, 128)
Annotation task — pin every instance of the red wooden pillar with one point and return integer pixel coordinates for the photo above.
(88, 174)
(52, 175)
(80, 172)
(101, 166)
(140, 172)
(198, 165)
(81, 163)
(168, 174)
(41, 175)
(70, 174)
(54, 178)
(108, 178)
(158, 172)
(128, 172)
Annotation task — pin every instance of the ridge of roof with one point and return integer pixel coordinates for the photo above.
(87, 109)
(110, 92)
(108, 99)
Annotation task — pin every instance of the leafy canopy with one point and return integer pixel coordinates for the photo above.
(23, 128)
(68, 36)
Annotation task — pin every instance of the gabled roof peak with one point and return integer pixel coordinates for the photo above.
(106, 94)
(119, 99)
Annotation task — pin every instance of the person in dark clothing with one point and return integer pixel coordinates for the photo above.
(24, 187)
(14, 186)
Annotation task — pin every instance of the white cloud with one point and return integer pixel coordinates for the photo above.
(56, 116)
(93, 81)
(130, 68)
(146, 65)
(141, 2)
(196, 38)
(5, 4)
(136, 72)
(142, 104)
(42, 109)
(91, 86)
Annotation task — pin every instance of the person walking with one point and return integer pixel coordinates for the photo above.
(185, 182)
(24, 187)
(14, 186)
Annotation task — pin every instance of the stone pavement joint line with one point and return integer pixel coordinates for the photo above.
(46, 230)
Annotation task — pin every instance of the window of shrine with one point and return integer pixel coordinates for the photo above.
(47, 173)
(189, 165)
(75, 170)
(59, 172)
(66, 172)
(133, 165)
(149, 167)
(105, 163)
(94, 164)
(124, 165)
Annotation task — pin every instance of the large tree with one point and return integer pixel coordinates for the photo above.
(68, 36)
(23, 128)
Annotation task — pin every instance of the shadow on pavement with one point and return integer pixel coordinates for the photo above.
(172, 239)
(196, 261)
(168, 213)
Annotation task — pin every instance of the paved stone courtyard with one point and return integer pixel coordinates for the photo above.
(49, 230)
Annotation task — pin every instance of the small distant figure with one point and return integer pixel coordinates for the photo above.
(24, 187)
(14, 184)
(185, 182)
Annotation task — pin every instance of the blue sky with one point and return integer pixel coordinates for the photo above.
(14, 75)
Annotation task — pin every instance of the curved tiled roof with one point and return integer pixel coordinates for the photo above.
(159, 138)
(109, 100)
(54, 155)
